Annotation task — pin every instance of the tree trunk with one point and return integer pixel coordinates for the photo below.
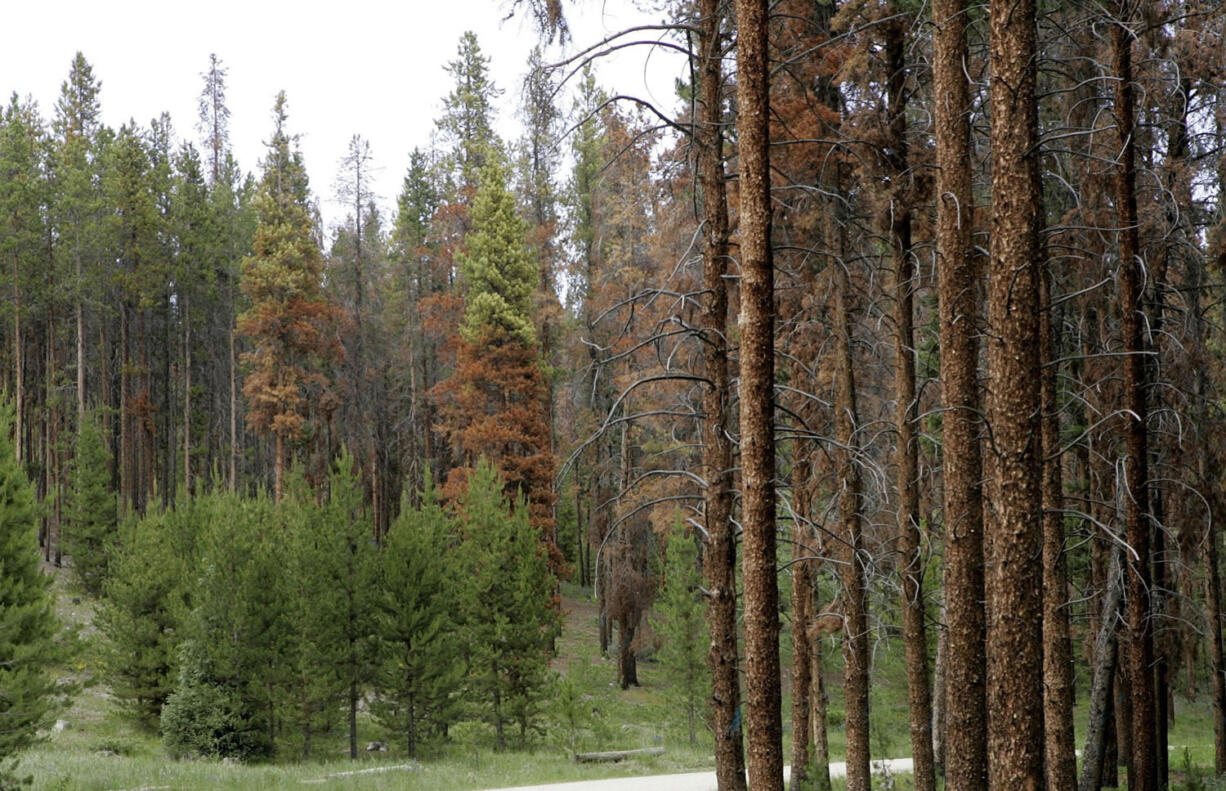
(802, 611)
(911, 570)
(719, 558)
(965, 732)
(854, 598)
(187, 399)
(821, 744)
(233, 411)
(757, 357)
(1143, 764)
(1061, 761)
(1014, 535)
(19, 386)
(1099, 721)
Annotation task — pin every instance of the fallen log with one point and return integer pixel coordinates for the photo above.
(616, 755)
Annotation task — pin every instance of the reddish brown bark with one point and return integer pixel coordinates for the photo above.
(757, 358)
(1013, 538)
(965, 743)
(1143, 766)
(1061, 761)
(719, 564)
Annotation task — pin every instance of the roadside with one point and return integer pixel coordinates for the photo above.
(692, 781)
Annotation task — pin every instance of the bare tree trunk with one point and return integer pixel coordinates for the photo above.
(233, 412)
(965, 732)
(1143, 764)
(1099, 721)
(911, 571)
(821, 744)
(1014, 535)
(757, 357)
(1061, 761)
(719, 559)
(802, 611)
(855, 600)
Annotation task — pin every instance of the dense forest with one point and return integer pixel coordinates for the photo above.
(903, 324)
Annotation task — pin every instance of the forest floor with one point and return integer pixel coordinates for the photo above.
(98, 747)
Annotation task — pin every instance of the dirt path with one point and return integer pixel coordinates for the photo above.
(691, 781)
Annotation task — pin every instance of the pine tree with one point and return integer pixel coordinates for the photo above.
(418, 675)
(679, 616)
(30, 642)
(495, 405)
(468, 112)
(289, 315)
(147, 588)
(91, 512)
(505, 605)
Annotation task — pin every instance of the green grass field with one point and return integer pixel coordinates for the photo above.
(102, 749)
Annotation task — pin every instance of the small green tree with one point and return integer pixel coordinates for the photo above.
(91, 510)
(679, 617)
(143, 609)
(30, 634)
(505, 605)
(418, 676)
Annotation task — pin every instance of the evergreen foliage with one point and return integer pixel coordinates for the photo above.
(504, 604)
(418, 676)
(30, 633)
(679, 617)
(147, 587)
(90, 512)
(498, 273)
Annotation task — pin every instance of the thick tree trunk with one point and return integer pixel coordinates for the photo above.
(1217, 666)
(1061, 761)
(965, 732)
(1143, 764)
(817, 716)
(719, 558)
(757, 357)
(1014, 534)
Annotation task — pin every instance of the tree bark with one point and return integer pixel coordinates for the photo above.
(915, 640)
(1060, 758)
(854, 598)
(1014, 534)
(1143, 764)
(802, 611)
(757, 358)
(965, 732)
(719, 561)
(1099, 720)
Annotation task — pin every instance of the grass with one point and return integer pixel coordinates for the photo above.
(103, 750)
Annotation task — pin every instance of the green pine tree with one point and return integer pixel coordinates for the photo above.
(468, 111)
(498, 273)
(418, 676)
(30, 633)
(505, 605)
(679, 616)
(91, 510)
(146, 591)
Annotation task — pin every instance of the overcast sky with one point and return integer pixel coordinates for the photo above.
(354, 67)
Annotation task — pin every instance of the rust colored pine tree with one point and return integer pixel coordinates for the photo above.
(495, 404)
(289, 318)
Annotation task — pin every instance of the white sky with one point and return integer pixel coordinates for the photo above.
(358, 67)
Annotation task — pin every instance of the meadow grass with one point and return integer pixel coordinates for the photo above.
(102, 749)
